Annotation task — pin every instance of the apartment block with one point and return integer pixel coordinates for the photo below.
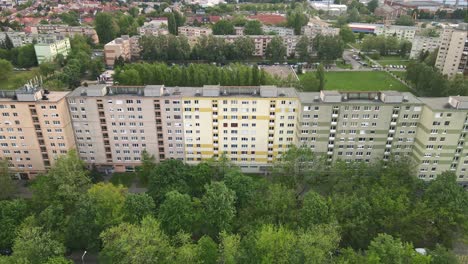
(126, 47)
(423, 43)
(400, 32)
(19, 39)
(453, 52)
(194, 32)
(440, 144)
(47, 51)
(255, 125)
(66, 31)
(312, 29)
(280, 31)
(155, 27)
(35, 128)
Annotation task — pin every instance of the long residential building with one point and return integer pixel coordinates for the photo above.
(35, 127)
(255, 125)
(452, 57)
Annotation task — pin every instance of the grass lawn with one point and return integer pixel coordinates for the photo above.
(392, 60)
(361, 81)
(401, 74)
(124, 178)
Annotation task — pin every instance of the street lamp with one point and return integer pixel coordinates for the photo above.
(82, 257)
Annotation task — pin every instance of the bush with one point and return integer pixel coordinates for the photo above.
(124, 178)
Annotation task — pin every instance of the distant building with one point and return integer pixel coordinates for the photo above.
(390, 12)
(193, 33)
(400, 32)
(66, 30)
(332, 9)
(119, 47)
(19, 39)
(48, 51)
(452, 57)
(204, 3)
(313, 29)
(362, 28)
(269, 19)
(280, 31)
(155, 27)
(423, 43)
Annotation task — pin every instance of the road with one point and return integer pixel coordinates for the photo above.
(348, 57)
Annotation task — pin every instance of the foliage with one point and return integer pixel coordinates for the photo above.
(347, 34)
(308, 82)
(137, 206)
(218, 207)
(176, 213)
(12, 213)
(303, 48)
(223, 27)
(132, 244)
(5, 69)
(8, 187)
(123, 178)
(387, 250)
(372, 5)
(106, 27)
(194, 75)
(34, 245)
(386, 45)
(276, 50)
(404, 20)
(296, 20)
(253, 27)
(328, 47)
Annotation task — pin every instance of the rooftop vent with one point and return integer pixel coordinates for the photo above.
(282, 93)
(197, 92)
(44, 97)
(316, 98)
(405, 98)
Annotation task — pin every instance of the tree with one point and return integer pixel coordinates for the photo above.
(296, 20)
(405, 48)
(172, 24)
(108, 200)
(320, 74)
(316, 244)
(387, 250)
(372, 5)
(404, 20)
(347, 34)
(120, 244)
(106, 27)
(34, 245)
(275, 50)
(303, 47)
(176, 213)
(353, 15)
(441, 255)
(448, 201)
(315, 210)
(223, 27)
(253, 27)
(137, 206)
(167, 176)
(12, 213)
(218, 204)
(147, 166)
(328, 48)
(7, 43)
(26, 56)
(309, 83)
(207, 250)
(275, 245)
(47, 68)
(243, 186)
(229, 248)
(8, 188)
(65, 182)
(279, 205)
(244, 47)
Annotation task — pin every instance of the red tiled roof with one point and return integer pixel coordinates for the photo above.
(269, 19)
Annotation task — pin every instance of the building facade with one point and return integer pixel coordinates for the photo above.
(253, 126)
(452, 57)
(67, 31)
(48, 51)
(423, 43)
(119, 47)
(35, 128)
(400, 32)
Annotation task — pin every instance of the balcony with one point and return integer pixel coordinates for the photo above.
(272, 109)
(332, 130)
(330, 153)
(215, 108)
(391, 131)
(393, 123)
(387, 153)
(389, 138)
(388, 145)
(334, 115)
(270, 145)
(331, 138)
(331, 145)
(215, 138)
(394, 115)
(215, 116)
(333, 123)
(215, 145)
(272, 116)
